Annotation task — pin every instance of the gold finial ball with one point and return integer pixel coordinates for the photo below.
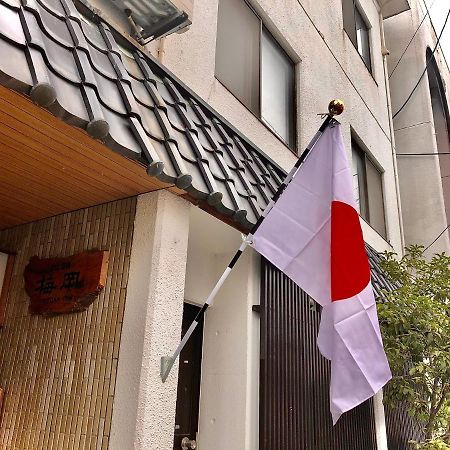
(336, 107)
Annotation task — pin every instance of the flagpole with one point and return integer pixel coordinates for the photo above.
(335, 108)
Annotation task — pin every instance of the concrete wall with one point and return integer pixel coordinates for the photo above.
(230, 366)
(59, 372)
(144, 407)
(320, 77)
(420, 176)
(327, 66)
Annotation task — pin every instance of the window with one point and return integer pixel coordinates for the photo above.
(357, 29)
(368, 189)
(253, 66)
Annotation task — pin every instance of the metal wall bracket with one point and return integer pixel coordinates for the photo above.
(166, 366)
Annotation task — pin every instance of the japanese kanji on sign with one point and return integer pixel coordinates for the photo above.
(64, 285)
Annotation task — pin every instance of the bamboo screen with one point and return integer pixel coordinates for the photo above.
(59, 372)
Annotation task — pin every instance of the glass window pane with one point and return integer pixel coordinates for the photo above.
(362, 37)
(348, 14)
(277, 89)
(237, 51)
(359, 181)
(375, 193)
(355, 180)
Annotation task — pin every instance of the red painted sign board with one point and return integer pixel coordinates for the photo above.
(65, 285)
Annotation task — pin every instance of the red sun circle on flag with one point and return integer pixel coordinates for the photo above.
(350, 271)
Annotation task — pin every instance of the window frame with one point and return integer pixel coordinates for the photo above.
(263, 28)
(366, 159)
(363, 194)
(354, 39)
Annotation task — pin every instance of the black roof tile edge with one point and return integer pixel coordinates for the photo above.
(167, 73)
(380, 279)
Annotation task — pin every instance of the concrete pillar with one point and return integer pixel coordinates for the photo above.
(380, 421)
(144, 407)
(230, 369)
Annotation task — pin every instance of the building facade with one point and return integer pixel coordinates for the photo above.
(421, 127)
(162, 153)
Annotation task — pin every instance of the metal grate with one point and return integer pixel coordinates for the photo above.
(294, 399)
(401, 428)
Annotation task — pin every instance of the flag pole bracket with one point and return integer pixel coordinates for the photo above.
(167, 363)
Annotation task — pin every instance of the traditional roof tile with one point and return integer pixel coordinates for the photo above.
(92, 78)
(380, 281)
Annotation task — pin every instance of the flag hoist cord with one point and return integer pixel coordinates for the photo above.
(168, 361)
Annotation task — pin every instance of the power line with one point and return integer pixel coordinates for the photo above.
(440, 234)
(423, 154)
(434, 29)
(412, 38)
(426, 67)
(343, 70)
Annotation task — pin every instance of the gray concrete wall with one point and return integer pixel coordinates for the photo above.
(320, 77)
(419, 176)
(144, 407)
(327, 66)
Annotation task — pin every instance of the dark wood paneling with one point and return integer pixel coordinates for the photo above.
(294, 397)
(401, 428)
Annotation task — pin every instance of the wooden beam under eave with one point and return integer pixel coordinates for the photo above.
(48, 167)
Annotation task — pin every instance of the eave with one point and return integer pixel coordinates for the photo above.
(391, 8)
(82, 72)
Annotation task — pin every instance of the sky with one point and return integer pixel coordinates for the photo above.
(438, 12)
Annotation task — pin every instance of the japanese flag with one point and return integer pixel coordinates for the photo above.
(314, 236)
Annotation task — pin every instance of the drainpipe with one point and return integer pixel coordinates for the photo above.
(378, 407)
(385, 53)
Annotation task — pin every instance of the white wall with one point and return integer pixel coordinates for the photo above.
(230, 365)
(421, 189)
(144, 407)
(191, 56)
(328, 66)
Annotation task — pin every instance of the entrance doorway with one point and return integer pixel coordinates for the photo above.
(188, 391)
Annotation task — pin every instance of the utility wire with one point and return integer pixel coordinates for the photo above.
(412, 38)
(440, 234)
(423, 154)
(434, 29)
(343, 70)
(424, 70)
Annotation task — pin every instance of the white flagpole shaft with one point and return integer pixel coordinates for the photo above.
(168, 362)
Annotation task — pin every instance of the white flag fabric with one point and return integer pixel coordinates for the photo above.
(314, 236)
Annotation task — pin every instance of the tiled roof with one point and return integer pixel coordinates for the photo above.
(90, 78)
(380, 280)
(85, 75)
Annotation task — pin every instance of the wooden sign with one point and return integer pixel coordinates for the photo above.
(65, 285)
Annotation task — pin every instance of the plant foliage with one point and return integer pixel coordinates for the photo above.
(415, 323)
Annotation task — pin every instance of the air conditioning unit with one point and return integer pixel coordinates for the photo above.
(144, 20)
(152, 19)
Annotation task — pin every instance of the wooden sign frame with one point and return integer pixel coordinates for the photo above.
(65, 285)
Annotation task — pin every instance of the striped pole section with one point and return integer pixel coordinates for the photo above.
(167, 362)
